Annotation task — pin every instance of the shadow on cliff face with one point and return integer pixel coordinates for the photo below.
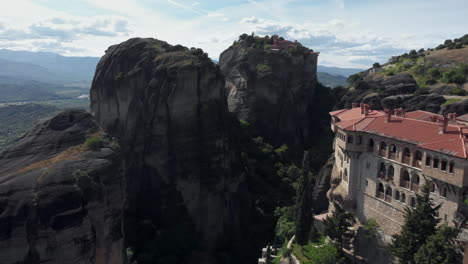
(59, 201)
(185, 186)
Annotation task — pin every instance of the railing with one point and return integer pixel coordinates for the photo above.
(417, 163)
(382, 153)
(404, 184)
(392, 155)
(370, 149)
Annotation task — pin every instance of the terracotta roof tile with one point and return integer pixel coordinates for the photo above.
(414, 128)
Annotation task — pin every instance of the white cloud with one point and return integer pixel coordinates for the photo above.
(346, 35)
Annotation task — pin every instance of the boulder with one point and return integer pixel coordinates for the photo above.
(60, 202)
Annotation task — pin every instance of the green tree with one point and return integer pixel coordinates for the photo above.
(420, 223)
(434, 73)
(337, 226)
(304, 205)
(376, 65)
(440, 248)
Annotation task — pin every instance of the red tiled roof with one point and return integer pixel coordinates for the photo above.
(413, 128)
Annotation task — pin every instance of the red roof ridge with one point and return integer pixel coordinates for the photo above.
(338, 111)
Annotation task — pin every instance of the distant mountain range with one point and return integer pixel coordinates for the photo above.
(42, 76)
(46, 66)
(346, 72)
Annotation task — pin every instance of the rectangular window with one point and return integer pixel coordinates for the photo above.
(428, 161)
(443, 165)
(451, 167)
(436, 163)
(445, 218)
(367, 183)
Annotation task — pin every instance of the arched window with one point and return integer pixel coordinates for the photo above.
(345, 175)
(451, 167)
(403, 198)
(417, 159)
(380, 191)
(397, 196)
(405, 179)
(388, 194)
(390, 173)
(392, 151)
(383, 149)
(406, 155)
(433, 187)
(370, 146)
(415, 182)
(359, 140)
(444, 192)
(382, 171)
(406, 152)
(350, 139)
(413, 202)
(383, 146)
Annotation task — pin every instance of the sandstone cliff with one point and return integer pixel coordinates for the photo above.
(59, 202)
(272, 90)
(167, 106)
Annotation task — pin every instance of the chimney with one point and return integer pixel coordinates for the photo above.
(362, 108)
(366, 109)
(452, 116)
(443, 122)
(355, 105)
(388, 115)
(403, 112)
(397, 112)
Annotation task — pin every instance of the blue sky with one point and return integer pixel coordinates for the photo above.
(348, 33)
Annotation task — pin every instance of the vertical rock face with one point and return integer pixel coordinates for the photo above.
(59, 202)
(273, 91)
(167, 106)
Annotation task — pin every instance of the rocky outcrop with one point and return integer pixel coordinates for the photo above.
(60, 202)
(272, 90)
(167, 106)
(395, 91)
(322, 185)
(460, 107)
(429, 102)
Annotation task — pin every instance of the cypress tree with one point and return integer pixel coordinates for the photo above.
(337, 226)
(304, 205)
(420, 223)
